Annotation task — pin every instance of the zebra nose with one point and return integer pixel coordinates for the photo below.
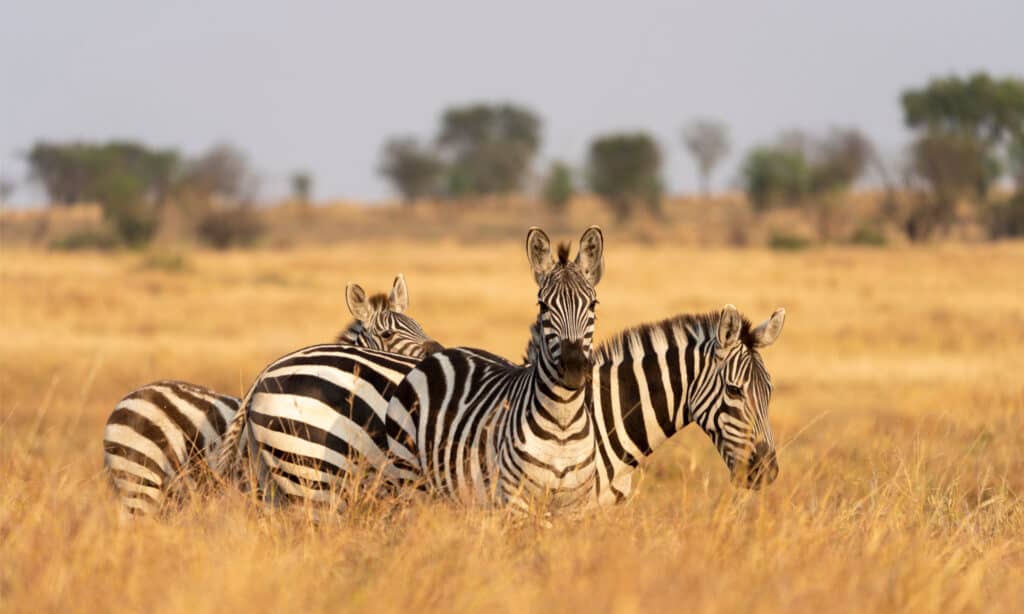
(764, 465)
(431, 346)
(573, 364)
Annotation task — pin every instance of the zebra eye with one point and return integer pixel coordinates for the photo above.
(734, 390)
(387, 334)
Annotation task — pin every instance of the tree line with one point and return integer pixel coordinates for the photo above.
(968, 136)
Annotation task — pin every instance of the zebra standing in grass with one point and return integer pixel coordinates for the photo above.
(651, 381)
(490, 432)
(160, 439)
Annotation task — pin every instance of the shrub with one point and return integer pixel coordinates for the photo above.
(868, 235)
(558, 188)
(86, 239)
(224, 228)
(788, 242)
(775, 174)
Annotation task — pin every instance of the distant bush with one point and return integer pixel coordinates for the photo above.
(788, 242)
(868, 235)
(774, 175)
(1006, 219)
(558, 188)
(86, 239)
(165, 261)
(224, 228)
(625, 170)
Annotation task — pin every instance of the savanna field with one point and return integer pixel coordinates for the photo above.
(898, 413)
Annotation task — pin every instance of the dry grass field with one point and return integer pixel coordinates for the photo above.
(899, 412)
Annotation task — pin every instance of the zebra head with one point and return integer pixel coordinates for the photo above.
(381, 323)
(567, 302)
(733, 410)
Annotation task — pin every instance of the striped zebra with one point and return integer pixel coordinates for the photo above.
(651, 381)
(160, 439)
(646, 384)
(486, 431)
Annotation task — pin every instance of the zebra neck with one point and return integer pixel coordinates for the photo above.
(553, 401)
(640, 390)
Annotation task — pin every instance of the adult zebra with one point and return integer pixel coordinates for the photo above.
(317, 416)
(159, 440)
(646, 384)
(485, 431)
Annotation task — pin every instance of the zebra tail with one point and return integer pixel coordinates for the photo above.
(228, 458)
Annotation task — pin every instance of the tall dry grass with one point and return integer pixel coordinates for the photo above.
(899, 412)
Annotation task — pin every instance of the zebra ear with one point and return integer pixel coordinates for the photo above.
(729, 326)
(769, 330)
(355, 297)
(398, 300)
(538, 251)
(590, 258)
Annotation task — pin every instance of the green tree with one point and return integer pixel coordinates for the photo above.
(129, 180)
(625, 169)
(707, 141)
(776, 175)
(489, 146)
(412, 169)
(558, 186)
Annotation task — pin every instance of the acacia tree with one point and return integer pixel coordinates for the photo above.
(707, 140)
(625, 169)
(412, 169)
(967, 132)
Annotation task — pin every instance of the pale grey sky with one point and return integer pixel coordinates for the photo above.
(320, 85)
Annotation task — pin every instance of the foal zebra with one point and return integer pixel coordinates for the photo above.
(160, 439)
(490, 432)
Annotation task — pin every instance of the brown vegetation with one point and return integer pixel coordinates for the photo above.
(898, 409)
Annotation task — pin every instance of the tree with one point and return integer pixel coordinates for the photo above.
(775, 174)
(129, 180)
(839, 160)
(302, 186)
(558, 187)
(221, 172)
(489, 146)
(978, 108)
(412, 169)
(708, 142)
(624, 169)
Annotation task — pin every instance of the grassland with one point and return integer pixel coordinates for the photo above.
(899, 411)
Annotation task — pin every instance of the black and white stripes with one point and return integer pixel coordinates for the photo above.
(484, 431)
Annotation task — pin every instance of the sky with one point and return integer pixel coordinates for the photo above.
(320, 85)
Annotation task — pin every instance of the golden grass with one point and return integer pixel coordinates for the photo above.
(899, 412)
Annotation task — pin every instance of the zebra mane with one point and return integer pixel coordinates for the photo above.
(563, 253)
(707, 323)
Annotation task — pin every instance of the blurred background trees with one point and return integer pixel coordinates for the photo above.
(624, 169)
(413, 170)
(964, 165)
(707, 140)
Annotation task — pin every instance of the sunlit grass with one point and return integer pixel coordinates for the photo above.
(899, 412)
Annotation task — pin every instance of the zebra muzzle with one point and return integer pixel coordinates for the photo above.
(573, 365)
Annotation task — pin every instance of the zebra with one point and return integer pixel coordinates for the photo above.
(651, 381)
(161, 438)
(488, 432)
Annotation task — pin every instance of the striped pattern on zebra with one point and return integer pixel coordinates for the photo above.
(158, 438)
(315, 422)
(490, 432)
(651, 381)
(160, 441)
